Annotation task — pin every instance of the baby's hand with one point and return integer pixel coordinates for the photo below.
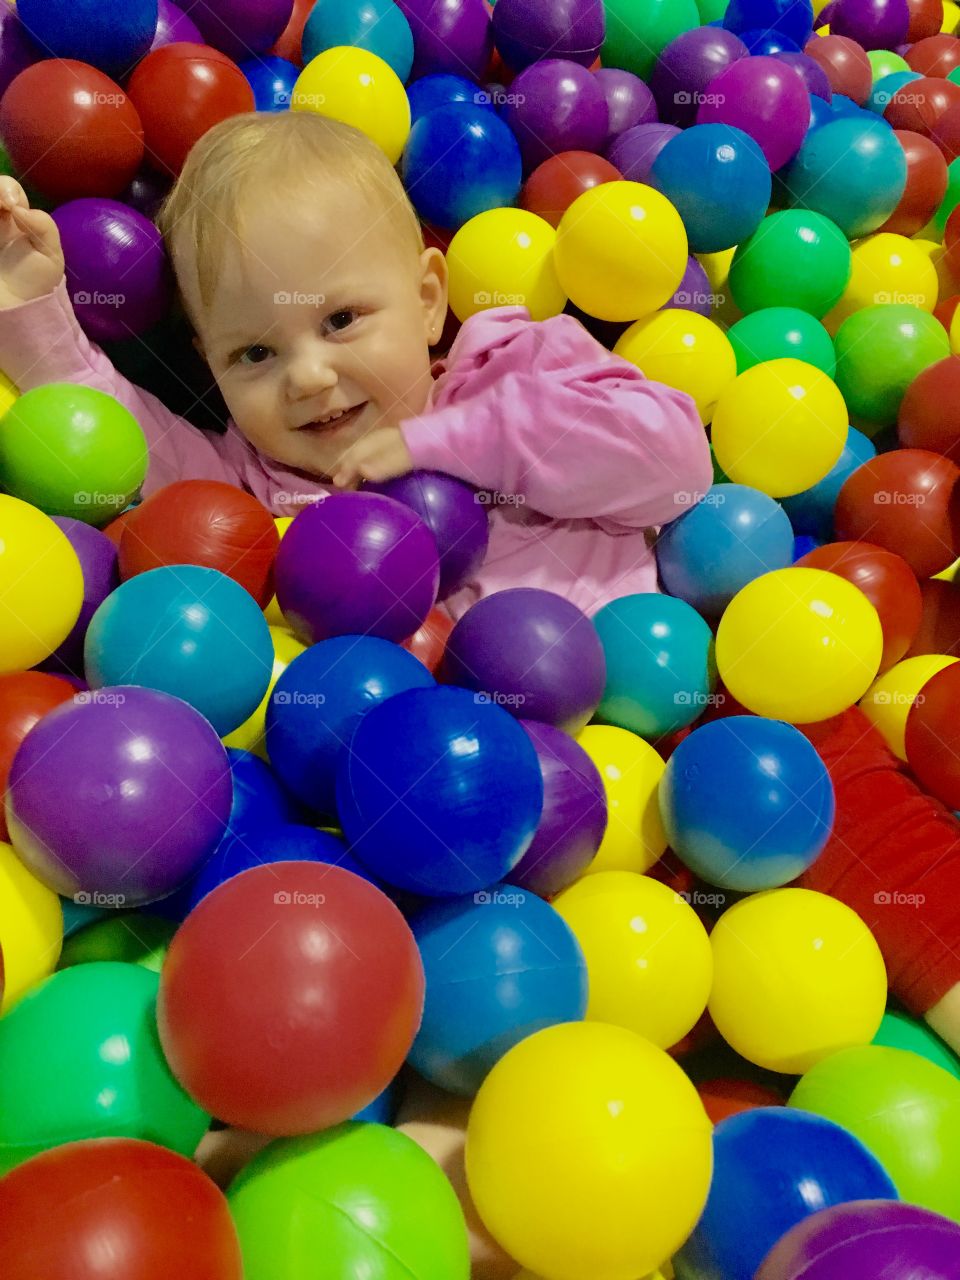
(382, 455)
(31, 257)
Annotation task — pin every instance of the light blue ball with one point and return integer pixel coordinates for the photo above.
(884, 89)
(376, 25)
(811, 511)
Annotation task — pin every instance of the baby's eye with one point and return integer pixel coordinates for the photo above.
(341, 320)
(255, 354)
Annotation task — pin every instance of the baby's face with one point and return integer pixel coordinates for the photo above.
(319, 331)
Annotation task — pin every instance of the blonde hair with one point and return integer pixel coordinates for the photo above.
(290, 156)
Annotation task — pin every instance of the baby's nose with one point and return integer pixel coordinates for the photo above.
(311, 370)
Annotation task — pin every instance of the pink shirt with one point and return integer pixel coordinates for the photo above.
(585, 456)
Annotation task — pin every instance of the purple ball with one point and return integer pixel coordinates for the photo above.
(874, 24)
(449, 36)
(574, 814)
(693, 292)
(173, 26)
(629, 100)
(18, 50)
(146, 192)
(634, 152)
(454, 514)
(124, 791)
(239, 28)
(765, 99)
(687, 65)
(532, 652)
(526, 31)
(356, 564)
(814, 76)
(556, 106)
(98, 562)
(118, 277)
(867, 1240)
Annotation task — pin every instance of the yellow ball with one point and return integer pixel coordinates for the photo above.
(779, 427)
(504, 258)
(631, 771)
(31, 928)
(951, 17)
(8, 394)
(797, 976)
(588, 1153)
(885, 269)
(251, 734)
(356, 87)
(723, 310)
(683, 350)
(799, 645)
(41, 585)
(272, 612)
(955, 333)
(621, 251)
(949, 573)
(887, 702)
(933, 250)
(648, 956)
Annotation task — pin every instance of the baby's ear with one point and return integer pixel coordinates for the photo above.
(433, 292)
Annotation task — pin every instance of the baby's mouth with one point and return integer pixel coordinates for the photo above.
(335, 421)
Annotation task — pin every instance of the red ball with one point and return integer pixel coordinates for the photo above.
(939, 630)
(114, 1209)
(71, 130)
(846, 64)
(935, 56)
(429, 642)
(932, 736)
(554, 185)
(290, 997)
(907, 501)
(920, 105)
(929, 416)
(945, 311)
(182, 90)
(205, 522)
(725, 1096)
(290, 39)
(926, 19)
(885, 579)
(946, 134)
(951, 243)
(25, 698)
(926, 184)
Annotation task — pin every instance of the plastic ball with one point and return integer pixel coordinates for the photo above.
(431, 92)
(382, 569)
(682, 350)
(31, 927)
(429, 641)
(648, 956)
(930, 737)
(845, 62)
(693, 293)
(452, 37)
(556, 106)
(358, 88)
(880, 350)
(888, 701)
(799, 645)
(17, 49)
(167, 780)
(885, 63)
(793, 259)
(459, 750)
(112, 939)
(635, 37)
(902, 1108)
(206, 86)
(81, 1060)
(926, 19)
(555, 184)
(797, 976)
(776, 333)
(460, 161)
(634, 151)
(173, 25)
(98, 563)
(935, 56)
(86, 32)
(686, 67)
(920, 104)
(272, 80)
(240, 28)
(621, 251)
(625, 1187)
(359, 1198)
(629, 100)
(631, 771)
(927, 418)
(874, 24)
(251, 734)
(41, 585)
(313, 968)
(526, 31)
(926, 184)
(794, 20)
(939, 630)
(378, 26)
(258, 798)
(320, 697)
(885, 269)
(764, 98)
(504, 257)
(25, 698)
(900, 1031)
(881, 95)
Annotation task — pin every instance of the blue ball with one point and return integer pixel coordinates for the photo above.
(383, 1109)
(821, 113)
(803, 544)
(376, 25)
(812, 510)
(660, 664)
(747, 803)
(884, 89)
(766, 43)
(439, 792)
(733, 535)
(319, 698)
(719, 182)
(852, 170)
(431, 92)
(499, 966)
(272, 80)
(772, 1168)
(841, 105)
(258, 798)
(793, 18)
(111, 37)
(187, 631)
(460, 160)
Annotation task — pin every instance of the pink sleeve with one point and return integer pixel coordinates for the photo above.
(41, 342)
(543, 410)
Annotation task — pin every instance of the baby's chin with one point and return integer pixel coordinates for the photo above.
(316, 452)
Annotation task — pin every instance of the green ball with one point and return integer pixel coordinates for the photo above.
(795, 258)
(880, 350)
(712, 10)
(776, 332)
(903, 1109)
(637, 31)
(131, 938)
(900, 1031)
(72, 451)
(80, 1057)
(951, 196)
(357, 1200)
(884, 62)
(719, 476)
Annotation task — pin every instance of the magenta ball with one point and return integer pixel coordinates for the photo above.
(525, 31)
(687, 65)
(239, 28)
(18, 50)
(174, 26)
(874, 24)
(813, 75)
(574, 814)
(449, 36)
(357, 564)
(455, 514)
(98, 563)
(629, 101)
(117, 273)
(556, 106)
(765, 99)
(123, 792)
(693, 293)
(634, 151)
(533, 653)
